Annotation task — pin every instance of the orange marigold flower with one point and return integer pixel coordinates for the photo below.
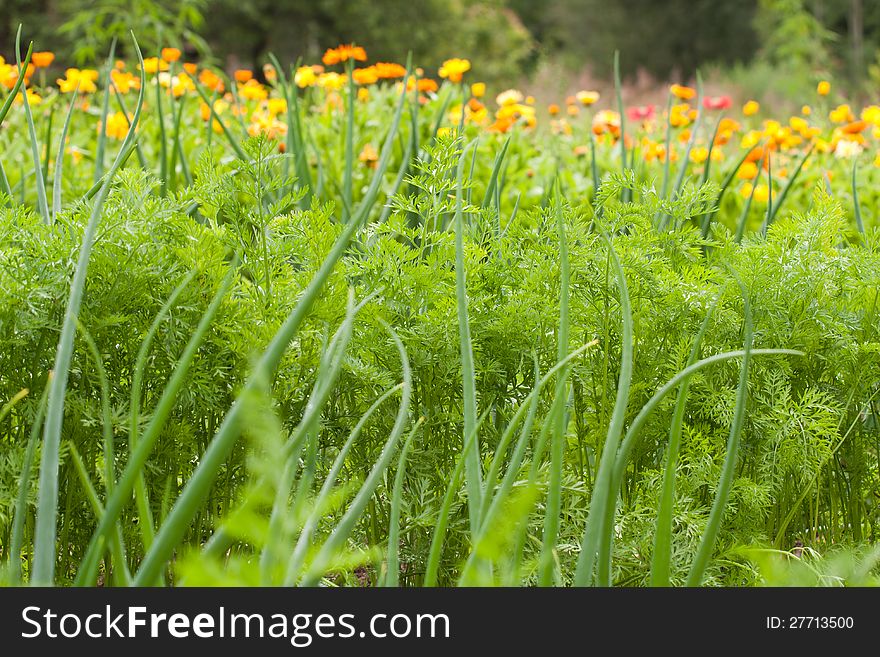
(681, 92)
(190, 68)
(389, 70)
(242, 75)
(367, 75)
(553, 108)
(369, 156)
(454, 69)
(343, 53)
(42, 59)
(425, 85)
(211, 80)
(171, 54)
(854, 127)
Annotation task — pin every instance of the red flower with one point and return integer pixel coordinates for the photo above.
(642, 113)
(717, 102)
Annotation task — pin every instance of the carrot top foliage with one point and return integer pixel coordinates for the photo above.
(460, 357)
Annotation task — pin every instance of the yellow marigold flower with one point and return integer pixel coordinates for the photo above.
(305, 76)
(606, 121)
(841, 114)
(277, 106)
(454, 69)
(343, 53)
(253, 90)
(117, 126)
(877, 160)
(799, 124)
(509, 97)
(389, 71)
(369, 156)
(85, 79)
(445, 130)
(530, 100)
(124, 82)
(154, 65)
(170, 54)
(367, 75)
(682, 93)
(679, 115)
(572, 110)
(822, 146)
(806, 110)
(478, 89)
(587, 98)
(180, 84)
(761, 192)
(42, 59)
(332, 81)
(823, 88)
(747, 171)
(243, 75)
(271, 75)
(699, 154)
(871, 114)
(220, 106)
(684, 136)
(363, 94)
(263, 123)
(33, 98)
(751, 108)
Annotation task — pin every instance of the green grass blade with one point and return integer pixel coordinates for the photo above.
(121, 573)
(105, 108)
(19, 80)
(392, 573)
(728, 469)
(668, 143)
(347, 199)
(24, 482)
(661, 558)
(784, 193)
(42, 201)
(59, 160)
(472, 458)
(618, 93)
(596, 541)
(493, 179)
(855, 194)
(145, 515)
(433, 565)
(547, 576)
